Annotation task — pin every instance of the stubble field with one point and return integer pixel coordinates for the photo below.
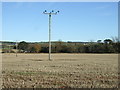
(64, 71)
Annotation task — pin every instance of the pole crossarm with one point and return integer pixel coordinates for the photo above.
(50, 13)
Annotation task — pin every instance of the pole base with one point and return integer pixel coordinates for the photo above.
(50, 59)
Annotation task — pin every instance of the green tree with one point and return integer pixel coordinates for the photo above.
(80, 48)
(44, 48)
(99, 41)
(32, 50)
(108, 41)
(66, 49)
(23, 46)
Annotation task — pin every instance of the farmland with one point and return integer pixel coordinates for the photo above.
(64, 71)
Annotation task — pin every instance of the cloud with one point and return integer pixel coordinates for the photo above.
(105, 14)
(102, 7)
(104, 10)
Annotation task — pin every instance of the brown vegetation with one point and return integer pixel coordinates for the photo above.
(64, 71)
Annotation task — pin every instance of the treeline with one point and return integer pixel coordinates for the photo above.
(107, 46)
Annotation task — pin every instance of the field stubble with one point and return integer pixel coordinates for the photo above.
(64, 71)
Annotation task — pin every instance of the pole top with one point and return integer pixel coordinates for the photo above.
(51, 13)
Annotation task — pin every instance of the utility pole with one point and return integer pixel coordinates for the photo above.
(50, 14)
(9, 48)
(16, 48)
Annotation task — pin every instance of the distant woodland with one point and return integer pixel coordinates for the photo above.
(106, 46)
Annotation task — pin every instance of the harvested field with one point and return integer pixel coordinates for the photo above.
(64, 71)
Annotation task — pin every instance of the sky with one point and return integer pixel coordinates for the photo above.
(76, 21)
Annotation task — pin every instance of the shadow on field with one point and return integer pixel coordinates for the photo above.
(54, 59)
(67, 59)
(36, 59)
